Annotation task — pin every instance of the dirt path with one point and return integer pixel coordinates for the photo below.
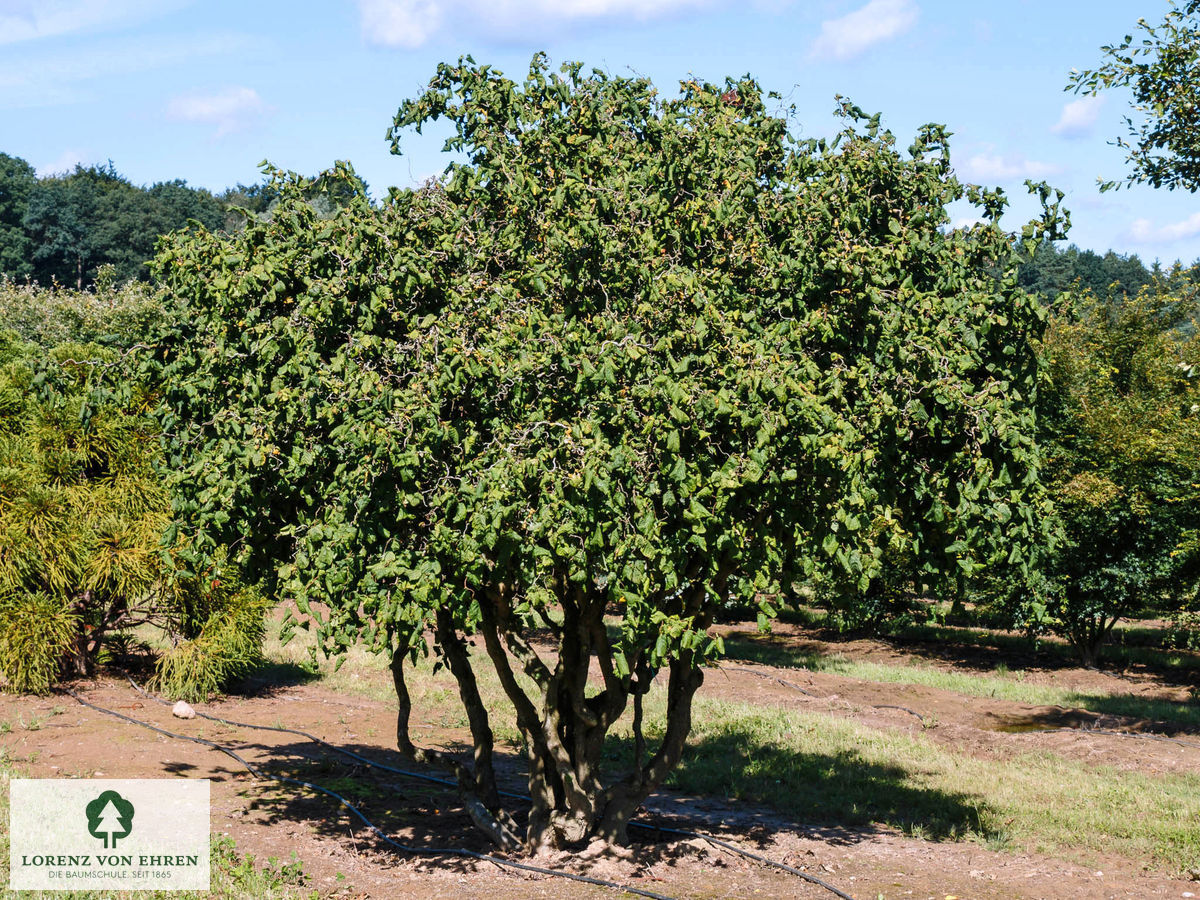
(57, 737)
(982, 726)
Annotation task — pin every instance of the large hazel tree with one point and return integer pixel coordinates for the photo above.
(633, 357)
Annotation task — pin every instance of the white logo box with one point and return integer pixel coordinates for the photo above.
(102, 833)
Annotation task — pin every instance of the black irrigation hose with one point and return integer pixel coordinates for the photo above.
(911, 712)
(425, 851)
(738, 850)
(445, 781)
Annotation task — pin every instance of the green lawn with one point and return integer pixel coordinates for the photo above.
(822, 769)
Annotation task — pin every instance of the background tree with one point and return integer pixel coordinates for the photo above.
(256, 199)
(633, 359)
(65, 221)
(92, 217)
(1159, 66)
(1120, 426)
(1052, 271)
(175, 203)
(17, 179)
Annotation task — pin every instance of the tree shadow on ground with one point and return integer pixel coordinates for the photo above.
(213, 773)
(841, 796)
(775, 650)
(1132, 713)
(424, 816)
(1099, 720)
(1130, 651)
(272, 677)
(1133, 649)
(986, 651)
(731, 786)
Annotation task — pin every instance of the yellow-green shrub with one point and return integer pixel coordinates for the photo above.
(36, 633)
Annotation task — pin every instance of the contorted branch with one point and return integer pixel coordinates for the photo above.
(459, 661)
(494, 826)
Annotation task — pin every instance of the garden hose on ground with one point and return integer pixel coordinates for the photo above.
(716, 842)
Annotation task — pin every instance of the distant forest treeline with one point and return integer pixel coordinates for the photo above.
(63, 228)
(1054, 270)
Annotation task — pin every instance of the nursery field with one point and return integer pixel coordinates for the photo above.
(584, 470)
(939, 762)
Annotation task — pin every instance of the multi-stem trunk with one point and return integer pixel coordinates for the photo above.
(1088, 635)
(563, 720)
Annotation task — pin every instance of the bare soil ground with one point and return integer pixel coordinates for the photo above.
(58, 737)
(985, 726)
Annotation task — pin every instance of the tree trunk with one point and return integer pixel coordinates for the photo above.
(624, 799)
(1088, 638)
(468, 690)
(79, 661)
(80, 657)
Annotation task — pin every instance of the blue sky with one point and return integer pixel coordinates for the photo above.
(205, 90)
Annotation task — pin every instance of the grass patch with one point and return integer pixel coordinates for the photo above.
(824, 770)
(1002, 684)
(360, 672)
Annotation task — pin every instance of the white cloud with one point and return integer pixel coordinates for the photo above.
(64, 162)
(990, 166)
(966, 222)
(26, 20)
(229, 109)
(1078, 117)
(1145, 231)
(854, 33)
(413, 23)
(400, 23)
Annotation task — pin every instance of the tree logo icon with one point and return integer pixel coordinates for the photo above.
(110, 816)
